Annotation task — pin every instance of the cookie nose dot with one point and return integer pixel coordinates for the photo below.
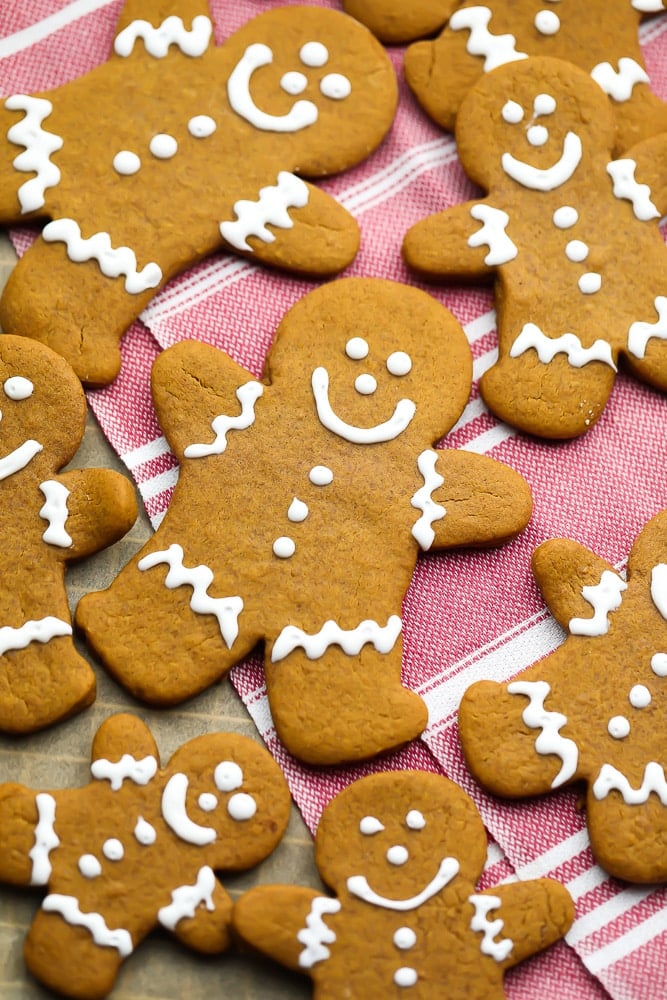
(294, 83)
(314, 54)
(399, 363)
(537, 135)
(17, 387)
(336, 86)
(207, 801)
(365, 385)
(397, 855)
(512, 113)
(356, 348)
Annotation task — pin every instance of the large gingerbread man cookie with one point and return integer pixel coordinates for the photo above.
(175, 148)
(599, 36)
(47, 519)
(571, 237)
(595, 710)
(301, 505)
(138, 847)
(402, 852)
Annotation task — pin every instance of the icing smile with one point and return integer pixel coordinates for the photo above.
(175, 813)
(302, 113)
(19, 458)
(548, 178)
(358, 886)
(386, 431)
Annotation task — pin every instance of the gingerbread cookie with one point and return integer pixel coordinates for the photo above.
(301, 505)
(595, 709)
(402, 852)
(48, 519)
(599, 36)
(176, 148)
(394, 21)
(560, 231)
(136, 848)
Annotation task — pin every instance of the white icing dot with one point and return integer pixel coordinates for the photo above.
(537, 135)
(207, 801)
(415, 820)
(576, 250)
(618, 727)
(294, 82)
(405, 976)
(201, 126)
(512, 113)
(356, 348)
(298, 510)
(405, 938)
(241, 806)
(397, 855)
(544, 104)
(320, 475)
(399, 363)
(565, 217)
(228, 776)
(144, 832)
(314, 54)
(547, 23)
(365, 384)
(163, 146)
(17, 387)
(335, 86)
(113, 849)
(659, 664)
(89, 866)
(284, 547)
(590, 283)
(370, 825)
(126, 162)
(639, 696)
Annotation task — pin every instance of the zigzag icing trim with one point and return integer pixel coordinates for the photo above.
(569, 344)
(39, 145)
(640, 333)
(172, 31)
(316, 935)
(186, 898)
(619, 84)
(247, 396)
(383, 638)
(46, 839)
(271, 208)
(536, 716)
(604, 597)
(423, 500)
(611, 778)
(68, 908)
(35, 630)
(113, 261)
(622, 173)
(496, 49)
(498, 950)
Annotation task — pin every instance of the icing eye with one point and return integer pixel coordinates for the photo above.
(314, 54)
(336, 86)
(18, 387)
(163, 146)
(356, 348)
(294, 83)
(399, 363)
(397, 855)
(544, 104)
(241, 806)
(370, 825)
(512, 113)
(228, 776)
(537, 135)
(207, 801)
(201, 126)
(365, 385)
(415, 820)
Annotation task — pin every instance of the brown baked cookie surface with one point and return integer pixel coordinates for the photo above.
(47, 519)
(138, 847)
(176, 148)
(599, 36)
(402, 851)
(595, 709)
(394, 21)
(571, 238)
(301, 506)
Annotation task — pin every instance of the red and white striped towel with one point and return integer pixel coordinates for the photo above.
(466, 615)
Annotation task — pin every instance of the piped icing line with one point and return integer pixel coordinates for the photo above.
(546, 178)
(381, 637)
(271, 208)
(619, 84)
(46, 839)
(39, 145)
(128, 768)
(68, 908)
(496, 50)
(247, 396)
(494, 223)
(301, 114)
(622, 173)
(610, 778)
(423, 500)
(55, 512)
(648, 6)
(186, 898)
(174, 813)
(171, 31)
(640, 333)
(200, 578)
(550, 741)
(112, 261)
(490, 929)
(659, 588)
(568, 344)
(34, 630)
(315, 936)
(19, 458)
(358, 886)
(604, 597)
(403, 413)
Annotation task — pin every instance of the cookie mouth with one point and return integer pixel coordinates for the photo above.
(301, 114)
(175, 814)
(546, 178)
(389, 429)
(358, 886)
(19, 458)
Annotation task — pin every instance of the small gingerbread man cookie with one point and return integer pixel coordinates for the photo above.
(402, 852)
(138, 847)
(561, 231)
(47, 519)
(595, 709)
(176, 148)
(301, 505)
(599, 36)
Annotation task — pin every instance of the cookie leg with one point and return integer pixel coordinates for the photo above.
(618, 827)
(66, 959)
(43, 684)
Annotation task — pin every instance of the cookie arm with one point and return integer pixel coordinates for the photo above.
(123, 734)
(455, 243)
(562, 568)
(208, 931)
(92, 507)
(269, 918)
(534, 915)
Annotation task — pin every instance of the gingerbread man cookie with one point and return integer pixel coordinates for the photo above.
(595, 709)
(561, 231)
(402, 852)
(138, 847)
(48, 518)
(599, 36)
(176, 148)
(301, 505)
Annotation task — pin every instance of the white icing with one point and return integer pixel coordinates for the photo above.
(547, 22)
(423, 500)
(315, 645)
(126, 163)
(590, 283)
(112, 261)
(55, 512)
(640, 333)
(356, 348)
(358, 886)
(314, 54)
(320, 475)
(17, 387)
(175, 815)
(415, 820)
(659, 585)
(200, 578)
(565, 217)
(622, 173)
(495, 49)
(201, 126)
(228, 776)
(171, 31)
(272, 208)
(163, 146)
(494, 223)
(546, 178)
(284, 547)
(370, 825)
(490, 929)
(619, 84)
(537, 135)
(316, 935)
(576, 251)
(40, 630)
(365, 384)
(405, 976)
(247, 396)
(397, 855)
(112, 849)
(604, 597)
(127, 768)
(207, 802)
(46, 839)
(610, 778)
(335, 86)
(293, 83)
(404, 938)
(39, 145)
(640, 696)
(659, 664)
(618, 727)
(298, 511)
(301, 114)
(19, 458)
(241, 807)
(89, 866)
(512, 112)
(186, 898)
(68, 908)
(544, 104)
(399, 363)
(145, 832)
(550, 741)
(568, 343)
(648, 6)
(403, 413)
